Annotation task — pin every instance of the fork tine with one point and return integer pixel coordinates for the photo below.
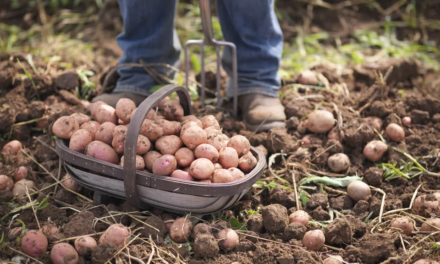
(218, 95)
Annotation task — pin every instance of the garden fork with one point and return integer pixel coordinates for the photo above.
(205, 12)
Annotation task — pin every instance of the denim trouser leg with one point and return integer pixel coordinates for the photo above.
(148, 34)
(254, 29)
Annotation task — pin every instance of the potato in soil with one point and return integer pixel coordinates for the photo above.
(34, 243)
(403, 224)
(181, 230)
(115, 234)
(63, 253)
(12, 147)
(313, 240)
(84, 245)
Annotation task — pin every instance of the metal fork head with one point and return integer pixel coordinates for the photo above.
(205, 12)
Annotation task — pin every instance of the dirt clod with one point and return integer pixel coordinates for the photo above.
(206, 246)
(419, 117)
(81, 224)
(376, 247)
(318, 199)
(338, 232)
(275, 218)
(373, 176)
(156, 222)
(294, 231)
(255, 223)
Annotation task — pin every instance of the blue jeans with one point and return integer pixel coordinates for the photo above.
(250, 24)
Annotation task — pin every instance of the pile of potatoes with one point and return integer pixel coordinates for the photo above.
(169, 143)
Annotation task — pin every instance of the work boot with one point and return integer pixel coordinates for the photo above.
(261, 112)
(113, 98)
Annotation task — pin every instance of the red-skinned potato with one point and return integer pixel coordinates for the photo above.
(228, 239)
(228, 158)
(240, 144)
(95, 107)
(106, 113)
(151, 130)
(164, 165)
(116, 234)
(80, 118)
(403, 224)
(299, 216)
(320, 121)
(406, 121)
(92, 127)
(194, 136)
(426, 261)
(79, 140)
(209, 121)
(374, 122)
(168, 144)
(169, 127)
(143, 145)
(186, 125)
(172, 110)
(6, 183)
(334, 134)
(374, 150)
(65, 126)
(431, 225)
(425, 205)
(50, 231)
(206, 151)
(34, 243)
(184, 157)
(180, 231)
(338, 162)
(20, 187)
(235, 173)
(124, 108)
(212, 131)
(201, 229)
(150, 157)
(202, 168)
(313, 240)
(191, 118)
(70, 183)
(247, 162)
(84, 245)
(307, 78)
(63, 253)
(105, 133)
(217, 141)
(183, 175)
(20, 174)
(222, 176)
(333, 260)
(395, 132)
(358, 190)
(140, 163)
(119, 135)
(102, 151)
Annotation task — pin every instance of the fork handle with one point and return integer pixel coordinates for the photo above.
(205, 13)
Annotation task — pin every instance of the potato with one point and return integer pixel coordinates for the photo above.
(335, 135)
(247, 162)
(320, 121)
(6, 183)
(20, 187)
(143, 145)
(65, 126)
(184, 157)
(63, 253)
(222, 176)
(212, 131)
(168, 219)
(201, 229)
(168, 144)
(183, 175)
(20, 174)
(180, 231)
(172, 110)
(403, 224)
(217, 141)
(84, 245)
(140, 163)
(189, 118)
(228, 239)
(194, 136)
(119, 135)
(70, 183)
(124, 108)
(406, 121)
(102, 151)
(240, 144)
(206, 181)
(307, 78)
(374, 122)
(235, 173)
(358, 190)
(338, 162)
(106, 113)
(299, 216)
(92, 127)
(187, 169)
(313, 240)
(169, 127)
(431, 225)
(116, 234)
(80, 118)
(395, 132)
(34, 243)
(302, 128)
(426, 261)
(50, 231)
(374, 150)
(186, 125)
(164, 165)
(333, 260)
(95, 107)
(425, 205)
(151, 130)
(263, 149)
(201, 169)
(217, 166)
(206, 151)
(209, 121)
(150, 115)
(105, 133)
(79, 140)
(150, 157)
(228, 158)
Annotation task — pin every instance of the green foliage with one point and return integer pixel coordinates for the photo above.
(330, 181)
(408, 170)
(87, 86)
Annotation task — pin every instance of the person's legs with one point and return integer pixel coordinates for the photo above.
(254, 29)
(149, 35)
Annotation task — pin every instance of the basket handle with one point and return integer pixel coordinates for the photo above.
(133, 130)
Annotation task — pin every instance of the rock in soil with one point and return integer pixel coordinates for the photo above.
(375, 248)
(81, 224)
(341, 203)
(294, 231)
(318, 199)
(275, 218)
(338, 232)
(205, 246)
(154, 222)
(255, 223)
(373, 176)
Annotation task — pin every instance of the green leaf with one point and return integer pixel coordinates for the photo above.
(330, 181)
(304, 199)
(2, 238)
(195, 63)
